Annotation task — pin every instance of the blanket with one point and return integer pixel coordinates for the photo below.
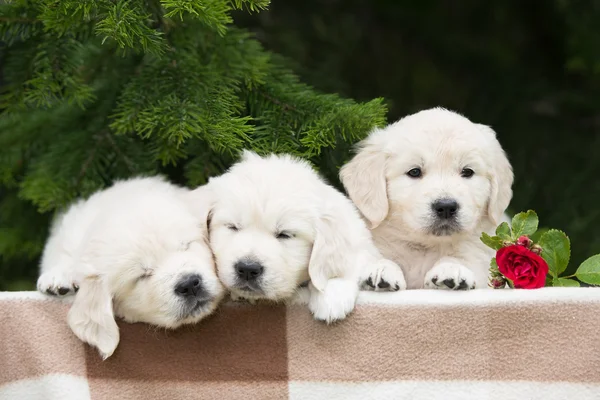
(422, 344)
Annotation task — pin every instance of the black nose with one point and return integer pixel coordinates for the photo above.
(445, 208)
(189, 285)
(248, 270)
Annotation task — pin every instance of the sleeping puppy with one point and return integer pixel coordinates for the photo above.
(275, 224)
(135, 251)
(428, 185)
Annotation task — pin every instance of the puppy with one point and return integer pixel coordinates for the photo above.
(133, 251)
(428, 186)
(275, 224)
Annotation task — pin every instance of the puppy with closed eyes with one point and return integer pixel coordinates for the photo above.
(134, 251)
(275, 225)
(428, 186)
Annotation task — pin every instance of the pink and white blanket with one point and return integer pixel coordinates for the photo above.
(483, 344)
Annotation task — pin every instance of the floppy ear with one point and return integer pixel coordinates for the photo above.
(364, 180)
(501, 180)
(327, 256)
(91, 316)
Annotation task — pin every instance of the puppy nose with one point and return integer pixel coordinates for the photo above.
(445, 208)
(189, 285)
(248, 270)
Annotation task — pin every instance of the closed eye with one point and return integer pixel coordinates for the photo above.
(284, 235)
(232, 227)
(147, 274)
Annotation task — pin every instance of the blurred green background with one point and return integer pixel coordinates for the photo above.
(530, 69)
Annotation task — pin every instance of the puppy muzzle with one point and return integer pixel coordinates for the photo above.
(193, 296)
(445, 217)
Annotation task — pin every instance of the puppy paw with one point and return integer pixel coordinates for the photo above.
(450, 276)
(58, 283)
(384, 276)
(335, 302)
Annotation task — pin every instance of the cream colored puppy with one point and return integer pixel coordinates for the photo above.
(136, 251)
(275, 224)
(428, 185)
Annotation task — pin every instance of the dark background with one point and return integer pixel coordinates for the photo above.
(530, 69)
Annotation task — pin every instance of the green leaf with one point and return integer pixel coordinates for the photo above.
(524, 223)
(538, 234)
(589, 270)
(491, 241)
(556, 250)
(503, 231)
(564, 282)
(493, 265)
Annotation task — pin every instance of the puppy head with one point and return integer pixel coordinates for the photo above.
(156, 270)
(435, 174)
(168, 288)
(263, 225)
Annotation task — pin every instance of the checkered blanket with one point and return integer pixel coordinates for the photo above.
(503, 344)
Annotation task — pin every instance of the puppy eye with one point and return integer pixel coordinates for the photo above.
(147, 274)
(415, 173)
(232, 227)
(284, 235)
(467, 173)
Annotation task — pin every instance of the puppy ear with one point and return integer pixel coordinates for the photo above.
(364, 180)
(327, 256)
(91, 316)
(501, 180)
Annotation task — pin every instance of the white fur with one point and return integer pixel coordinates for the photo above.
(398, 208)
(335, 301)
(126, 248)
(328, 244)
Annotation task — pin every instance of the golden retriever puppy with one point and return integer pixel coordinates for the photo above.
(276, 225)
(428, 186)
(135, 251)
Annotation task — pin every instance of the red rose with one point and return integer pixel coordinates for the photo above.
(526, 269)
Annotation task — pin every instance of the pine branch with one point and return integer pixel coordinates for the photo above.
(86, 164)
(251, 5)
(284, 106)
(18, 20)
(17, 23)
(98, 90)
(127, 24)
(212, 13)
(129, 163)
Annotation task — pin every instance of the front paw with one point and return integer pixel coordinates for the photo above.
(384, 276)
(450, 276)
(57, 282)
(335, 302)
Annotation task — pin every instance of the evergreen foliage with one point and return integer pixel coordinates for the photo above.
(96, 90)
